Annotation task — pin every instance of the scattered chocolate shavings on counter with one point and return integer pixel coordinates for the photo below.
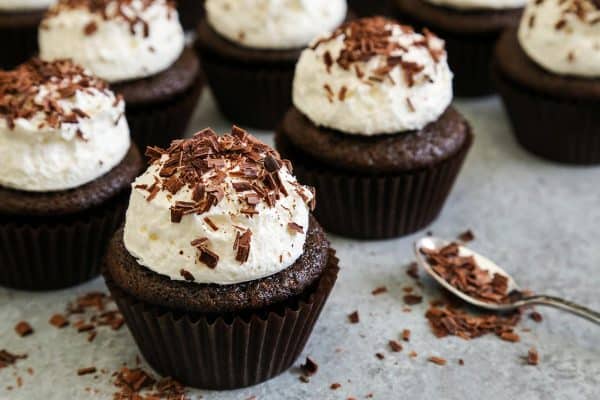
(461, 362)
(413, 270)
(395, 346)
(354, 318)
(466, 236)
(380, 356)
(86, 371)
(7, 358)
(335, 386)
(411, 299)
(23, 329)
(463, 273)
(533, 357)
(379, 290)
(310, 367)
(137, 384)
(450, 321)
(437, 360)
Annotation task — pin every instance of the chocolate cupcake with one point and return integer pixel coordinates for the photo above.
(139, 48)
(190, 13)
(471, 29)
(548, 74)
(67, 163)
(220, 270)
(19, 20)
(373, 130)
(370, 7)
(249, 50)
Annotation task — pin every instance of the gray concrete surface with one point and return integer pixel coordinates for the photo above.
(539, 220)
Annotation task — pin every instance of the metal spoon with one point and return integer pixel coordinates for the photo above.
(433, 243)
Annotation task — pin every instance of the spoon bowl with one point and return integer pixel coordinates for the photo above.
(518, 300)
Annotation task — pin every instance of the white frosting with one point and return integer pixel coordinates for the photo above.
(25, 5)
(165, 247)
(112, 52)
(274, 24)
(372, 107)
(36, 157)
(480, 4)
(561, 41)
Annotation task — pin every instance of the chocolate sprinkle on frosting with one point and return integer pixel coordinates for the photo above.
(22, 96)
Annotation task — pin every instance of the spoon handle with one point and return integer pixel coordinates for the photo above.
(565, 305)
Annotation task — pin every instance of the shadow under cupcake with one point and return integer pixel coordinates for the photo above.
(372, 128)
(220, 270)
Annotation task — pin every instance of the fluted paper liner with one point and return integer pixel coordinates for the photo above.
(58, 254)
(376, 206)
(158, 124)
(563, 130)
(249, 95)
(225, 351)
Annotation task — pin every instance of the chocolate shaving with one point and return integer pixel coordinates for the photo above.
(23, 329)
(310, 367)
(437, 360)
(187, 275)
(294, 227)
(242, 246)
(59, 321)
(86, 371)
(533, 357)
(379, 290)
(354, 318)
(7, 358)
(406, 335)
(395, 346)
(411, 299)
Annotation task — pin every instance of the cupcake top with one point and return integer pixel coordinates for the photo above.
(59, 127)
(563, 36)
(274, 24)
(117, 40)
(480, 4)
(373, 76)
(25, 5)
(219, 210)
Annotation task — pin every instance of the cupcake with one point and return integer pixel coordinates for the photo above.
(67, 164)
(138, 46)
(471, 29)
(19, 20)
(249, 49)
(220, 270)
(548, 74)
(372, 128)
(190, 13)
(370, 7)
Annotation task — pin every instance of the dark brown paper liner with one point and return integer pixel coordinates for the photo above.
(225, 351)
(58, 254)
(370, 7)
(18, 44)
(377, 206)
(158, 124)
(190, 13)
(252, 96)
(563, 130)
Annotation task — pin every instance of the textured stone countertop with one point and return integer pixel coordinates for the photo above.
(539, 220)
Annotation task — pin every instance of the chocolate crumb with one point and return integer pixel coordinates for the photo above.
(510, 336)
(187, 275)
(354, 317)
(58, 320)
(437, 360)
(380, 356)
(379, 290)
(335, 386)
(536, 316)
(461, 362)
(466, 236)
(411, 299)
(533, 357)
(86, 371)
(413, 270)
(406, 335)
(7, 358)
(23, 329)
(310, 367)
(395, 346)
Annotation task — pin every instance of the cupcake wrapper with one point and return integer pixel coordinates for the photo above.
(249, 95)
(190, 13)
(56, 255)
(18, 45)
(228, 351)
(562, 130)
(158, 124)
(379, 206)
